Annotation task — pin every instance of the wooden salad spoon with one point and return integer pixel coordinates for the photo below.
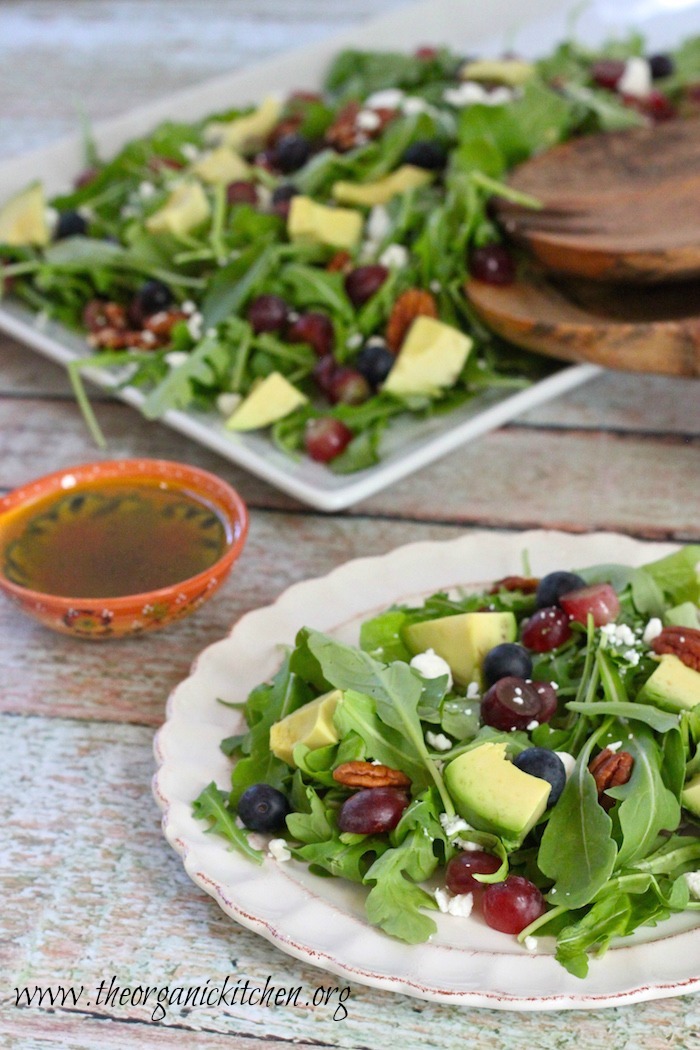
(655, 329)
(622, 206)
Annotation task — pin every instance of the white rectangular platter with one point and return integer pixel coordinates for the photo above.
(473, 26)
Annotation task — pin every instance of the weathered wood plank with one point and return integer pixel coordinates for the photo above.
(577, 480)
(92, 891)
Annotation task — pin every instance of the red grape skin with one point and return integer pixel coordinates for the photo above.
(325, 438)
(371, 811)
(511, 905)
(600, 600)
(459, 870)
(546, 629)
(510, 703)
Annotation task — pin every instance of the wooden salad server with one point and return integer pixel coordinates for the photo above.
(622, 206)
(652, 329)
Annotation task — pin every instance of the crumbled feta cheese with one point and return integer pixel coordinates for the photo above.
(176, 358)
(354, 341)
(390, 98)
(615, 746)
(636, 79)
(146, 190)
(631, 656)
(453, 825)
(532, 725)
(394, 256)
(459, 904)
(430, 665)
(227, 403)
(189, 151)
(51, 218)
(210, 333)
(568, 761)
(188, 307)
(194, 325)
(435, 287)
(473, 691)
(531, 944)
(279, 850)
(367, 120)
(438, 741)
(378, 223)
(470, 93)
(652, 630)
(413, 105)
(693, 880)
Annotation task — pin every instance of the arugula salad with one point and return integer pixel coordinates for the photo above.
(529, 752)
(298, 266)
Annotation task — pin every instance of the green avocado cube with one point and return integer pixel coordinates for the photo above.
(690, 795)
(311, 724)
(462, 640)
(673, 686)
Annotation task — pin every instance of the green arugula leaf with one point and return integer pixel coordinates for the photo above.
(647, 807)
(205, 363)
(211, 805)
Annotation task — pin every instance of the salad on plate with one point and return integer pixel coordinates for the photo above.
(525, 755)
(298, 266)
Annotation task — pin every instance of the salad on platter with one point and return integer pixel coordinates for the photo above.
(527, 752)
(298, 266)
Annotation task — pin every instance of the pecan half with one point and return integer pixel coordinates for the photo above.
(368, 775)
(343, 133)
(162, 323)
(526, 584)
(341, 262)
(610, 769)
(410, 304)
(683, 642)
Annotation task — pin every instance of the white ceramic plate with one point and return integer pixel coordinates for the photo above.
(321, 921)
(474, 26)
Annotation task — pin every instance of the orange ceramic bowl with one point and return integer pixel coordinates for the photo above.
(119, 547)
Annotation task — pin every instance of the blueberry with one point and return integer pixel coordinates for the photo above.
(506, 660)
(263, 808)
(539, 762)
(427, 153)
(70, 224)
(291, 153)
(660, 66)
(552, 586)
(374, 361)
(284, 192)
(151, 298)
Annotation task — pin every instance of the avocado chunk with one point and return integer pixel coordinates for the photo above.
(512, 72)
(311, 724)
(494, 795)
(462, 640)
(273, 398)
(248, 131)
(23, 218)
(430, 359)
(221, 165)
(186, 207)
(690, 795)
(407, 177)
(672, 686)
(318, 224)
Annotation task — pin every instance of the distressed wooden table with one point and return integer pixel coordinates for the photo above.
(91, 891)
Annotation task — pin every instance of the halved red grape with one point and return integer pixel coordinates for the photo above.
(600, 600)
(349, 387)
(510, 703)
(242, 192)
(511, 905)
(267, 313)
(606, 72)
(313, 328)
(546, 629)
(469, 862)
(371, 811)
(363, 282)
(492, 264)
(323, 372)
(548, 700)
(325, 438)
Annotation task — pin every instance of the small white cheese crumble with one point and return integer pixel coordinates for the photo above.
(473, 691)
(652, 630)
(354, 341)
(636, 79)
(470, 93)
(194, 325)
(438, 741)
(430, 665)
(568, 761)
(413, 105)
(459, 904)
(394, 256)
(693, 880)
(176, 358)
(279, 850)
(146, 190)
(378, 223)
(530, 943)
(453, 825)
(189, 151)
(390, 98)
(435, 287)
(227, 403)
(367, 120)
(615, 746)
(632, 657)
(188, 307)
(532, 725)
(51, 218)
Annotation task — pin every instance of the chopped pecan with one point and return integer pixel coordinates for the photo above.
(610, 769)
(110, 338)
(410, 304)
(368, 775)
(683, 642)
(341, 262)
(162, 323)
(344, 133)
(99, 314)
(526, 584)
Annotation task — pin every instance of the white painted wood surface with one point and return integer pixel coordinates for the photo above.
(90, 888)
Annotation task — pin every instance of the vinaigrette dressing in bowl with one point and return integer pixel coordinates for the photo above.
(118, 547)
